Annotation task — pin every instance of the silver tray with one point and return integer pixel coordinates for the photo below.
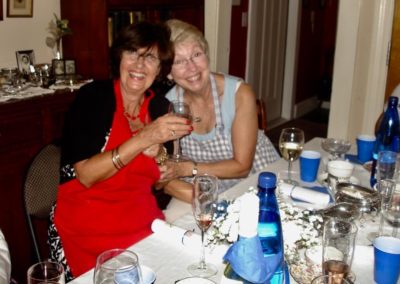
(367, 200)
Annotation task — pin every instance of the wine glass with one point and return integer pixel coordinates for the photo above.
(391, 212)
(291, 143)
(181, 109)
(335, 147)
(46, 272)
(117, 266)
(204, 200)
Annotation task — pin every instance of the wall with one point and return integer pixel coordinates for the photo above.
(27, 33)
(360, 70)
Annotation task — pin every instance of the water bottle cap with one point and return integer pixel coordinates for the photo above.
(267, 179)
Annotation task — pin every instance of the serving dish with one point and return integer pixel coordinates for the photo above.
(367, 200)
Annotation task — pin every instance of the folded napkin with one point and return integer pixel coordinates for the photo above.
(246, 256)
(247, 260)
(310, 195)
(175, 234)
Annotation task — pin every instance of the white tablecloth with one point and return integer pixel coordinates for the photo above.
(169, 260)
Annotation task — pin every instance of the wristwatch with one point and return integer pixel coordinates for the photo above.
(194, 170)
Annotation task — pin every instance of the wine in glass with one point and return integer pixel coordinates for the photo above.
(204, 201)
(391, 212)
(181, 109)
(291, 143)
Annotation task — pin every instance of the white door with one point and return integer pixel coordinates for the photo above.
(266, 52)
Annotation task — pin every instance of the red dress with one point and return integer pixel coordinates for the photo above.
(114, 213)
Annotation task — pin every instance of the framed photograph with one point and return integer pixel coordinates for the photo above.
(19, 8)
(25, 58)
(70, 67)
(58, 67)
(1, 10)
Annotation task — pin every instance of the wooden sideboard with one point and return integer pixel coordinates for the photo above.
(25, 127)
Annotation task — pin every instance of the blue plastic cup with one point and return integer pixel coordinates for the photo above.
(309, 164)
(386, 260)
(365, 146)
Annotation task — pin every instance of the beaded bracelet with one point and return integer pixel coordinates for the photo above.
(162, 156)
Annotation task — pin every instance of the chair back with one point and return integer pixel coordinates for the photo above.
(262, 115)
(40, 187)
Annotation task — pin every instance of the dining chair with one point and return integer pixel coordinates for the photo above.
(40, 189)
(262, 115)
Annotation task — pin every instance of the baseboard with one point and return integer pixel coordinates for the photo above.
(305, 107)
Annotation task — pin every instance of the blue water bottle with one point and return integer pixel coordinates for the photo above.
(269, 223)
(387, 136)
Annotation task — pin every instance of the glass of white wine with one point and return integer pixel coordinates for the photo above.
(291, 142)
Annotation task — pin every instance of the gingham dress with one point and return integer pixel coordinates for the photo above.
(217, 145)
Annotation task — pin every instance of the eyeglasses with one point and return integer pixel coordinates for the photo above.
(148, 58)
(195, 59)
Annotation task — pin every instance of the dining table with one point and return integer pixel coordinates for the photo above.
(169, 256)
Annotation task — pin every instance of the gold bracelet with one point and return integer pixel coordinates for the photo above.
(118, 159)
(162, 156)
(114, 161)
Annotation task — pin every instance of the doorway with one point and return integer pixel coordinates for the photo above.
(290, 49)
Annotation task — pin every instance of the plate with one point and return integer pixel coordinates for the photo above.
(194, 280)
(148, 275)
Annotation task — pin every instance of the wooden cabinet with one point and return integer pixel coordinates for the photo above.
(88, 44)
(25, 127)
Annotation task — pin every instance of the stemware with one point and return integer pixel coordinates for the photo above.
(117, 266)
(391, 212)
(291, 141)
(385, 188)
(181, 109)
(46, 272)
(335, 147)
(204, 200)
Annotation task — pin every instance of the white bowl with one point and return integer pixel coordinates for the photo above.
(340, 169)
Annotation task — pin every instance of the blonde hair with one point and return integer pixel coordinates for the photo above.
(182, 32)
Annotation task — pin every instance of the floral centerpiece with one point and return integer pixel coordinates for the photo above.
(57, 28)
(301, 228)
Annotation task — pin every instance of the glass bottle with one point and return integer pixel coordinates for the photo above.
(387, 136)
(269, 222)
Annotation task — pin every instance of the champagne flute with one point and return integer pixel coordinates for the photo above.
(182, 109)
(291, 143)
(204, 200)
(391, 212)
(385, 188)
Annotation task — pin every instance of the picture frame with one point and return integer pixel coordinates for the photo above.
(25, 58)
(19, 8)
(1, 10)
(70, 67)
(58, 67)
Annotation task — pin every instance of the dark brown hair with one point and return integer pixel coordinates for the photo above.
(144, 35)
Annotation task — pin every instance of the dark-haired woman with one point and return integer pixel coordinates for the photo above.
(111, 141)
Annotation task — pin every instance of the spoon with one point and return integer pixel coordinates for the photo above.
(342, 210)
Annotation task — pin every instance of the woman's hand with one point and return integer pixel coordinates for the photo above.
(165, 128)
(152, 151)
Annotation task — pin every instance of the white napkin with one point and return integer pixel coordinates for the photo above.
(248, 216)
(304, 194)
(175, 234)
